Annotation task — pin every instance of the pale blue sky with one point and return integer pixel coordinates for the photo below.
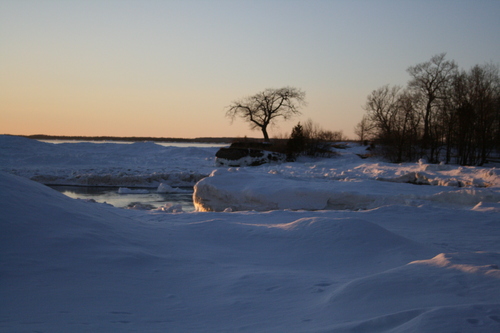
(169, 68)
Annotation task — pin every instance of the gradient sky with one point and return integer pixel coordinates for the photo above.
(169, 68)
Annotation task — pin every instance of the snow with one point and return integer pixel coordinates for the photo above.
(326, 245)
(242, 189)
(345, 183)
(126, 165)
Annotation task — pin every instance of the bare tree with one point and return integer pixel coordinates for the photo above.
(311, 129)
(405, 132)
(381, 106)
(477, 109)
(440, 110)
(263, 108)
(331, 136)
(392, 118)
(431, 79)
(364, 129)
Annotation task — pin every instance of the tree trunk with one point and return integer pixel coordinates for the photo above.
(427, 116)
(266, 136)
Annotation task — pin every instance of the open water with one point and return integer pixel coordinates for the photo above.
(110, 195)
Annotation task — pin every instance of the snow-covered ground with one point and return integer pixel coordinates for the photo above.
(328, 245)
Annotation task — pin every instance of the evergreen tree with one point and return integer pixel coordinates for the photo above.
(297, 142)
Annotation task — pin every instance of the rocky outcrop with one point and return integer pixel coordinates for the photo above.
(244, 154)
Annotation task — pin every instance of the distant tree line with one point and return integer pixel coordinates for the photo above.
(443, 114)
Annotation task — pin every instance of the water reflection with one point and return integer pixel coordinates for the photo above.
(110, 195)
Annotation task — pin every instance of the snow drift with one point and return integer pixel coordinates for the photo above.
(78, 266)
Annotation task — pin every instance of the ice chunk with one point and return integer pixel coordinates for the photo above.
(171, 208)
(126, 190)
(165, 188)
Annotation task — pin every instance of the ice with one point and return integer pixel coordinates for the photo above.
(171, 208)
(125, 190)
(165, 188)
(321, 245)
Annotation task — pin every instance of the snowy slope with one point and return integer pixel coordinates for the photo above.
(73, 266)
(70, 265)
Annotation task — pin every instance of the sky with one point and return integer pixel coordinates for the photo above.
(171, 68)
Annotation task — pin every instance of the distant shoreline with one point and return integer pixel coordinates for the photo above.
(134, 138)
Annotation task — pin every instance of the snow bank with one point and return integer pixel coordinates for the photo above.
(239, 189)
(242, 189)
(441, 175)
(345, 182)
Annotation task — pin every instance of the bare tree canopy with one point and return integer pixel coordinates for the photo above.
(442, 115)
(263, 108)
(432, 78)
